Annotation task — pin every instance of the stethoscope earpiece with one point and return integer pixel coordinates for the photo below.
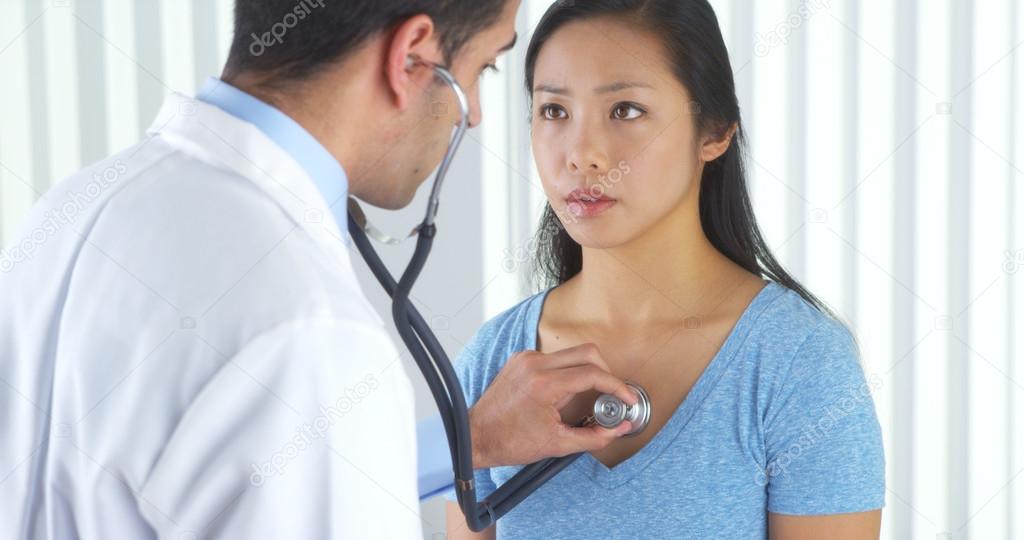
(435, 191)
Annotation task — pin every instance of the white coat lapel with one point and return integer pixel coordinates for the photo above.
(222, 140)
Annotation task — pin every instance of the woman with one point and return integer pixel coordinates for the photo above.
(763, 423)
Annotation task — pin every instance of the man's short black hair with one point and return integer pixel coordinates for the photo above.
(293, 39)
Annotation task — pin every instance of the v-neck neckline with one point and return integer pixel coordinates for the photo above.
(631, 466)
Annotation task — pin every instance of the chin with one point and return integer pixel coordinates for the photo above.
(596, 236)
(387, 200)
(396, 195)
(390, 205)
(396, 201)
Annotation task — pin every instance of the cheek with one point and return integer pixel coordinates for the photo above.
(548, 155)
(657, 191)
(665, 164)
(422, 149)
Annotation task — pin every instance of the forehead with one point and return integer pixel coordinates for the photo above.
(599, 50)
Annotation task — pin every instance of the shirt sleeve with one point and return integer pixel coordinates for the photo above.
(308, 432)
(822, 438)
(434, 459)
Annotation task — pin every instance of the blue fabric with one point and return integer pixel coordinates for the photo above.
(781, 421)
(319, 164)
(434, 461)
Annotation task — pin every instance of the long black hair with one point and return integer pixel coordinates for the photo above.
(693, 42)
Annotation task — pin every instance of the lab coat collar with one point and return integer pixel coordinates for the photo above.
(325, 171)
(214, 136)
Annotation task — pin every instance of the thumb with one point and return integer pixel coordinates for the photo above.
(595, 437)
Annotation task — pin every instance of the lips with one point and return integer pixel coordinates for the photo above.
(582, 204)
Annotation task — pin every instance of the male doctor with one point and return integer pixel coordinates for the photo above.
(184, 349)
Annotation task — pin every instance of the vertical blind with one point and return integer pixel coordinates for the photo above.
(886, 167)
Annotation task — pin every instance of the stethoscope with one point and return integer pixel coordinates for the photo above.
(609, 411)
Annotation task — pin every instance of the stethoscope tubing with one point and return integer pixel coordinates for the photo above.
(443, 383)
(432, 360)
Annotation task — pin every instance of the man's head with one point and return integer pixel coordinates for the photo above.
(341, 68)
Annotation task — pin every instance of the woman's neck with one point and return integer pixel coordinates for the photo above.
(671, 272)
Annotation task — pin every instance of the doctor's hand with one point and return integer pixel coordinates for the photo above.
(517, 420)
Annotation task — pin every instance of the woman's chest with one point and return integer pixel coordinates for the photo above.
(704, 485)
(667, 369)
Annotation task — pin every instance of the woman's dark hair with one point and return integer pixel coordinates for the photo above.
(694, 45)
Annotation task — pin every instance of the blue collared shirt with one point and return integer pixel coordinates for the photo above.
(325, 171)
(434, 461)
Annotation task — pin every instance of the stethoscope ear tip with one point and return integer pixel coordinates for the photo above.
(435, 191)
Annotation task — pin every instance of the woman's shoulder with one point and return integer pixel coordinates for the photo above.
(815, 412)
(788, 323)
(510, 327)
(498, 338)
(801, 353)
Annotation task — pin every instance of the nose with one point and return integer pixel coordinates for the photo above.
(586, 156)
(475, 114)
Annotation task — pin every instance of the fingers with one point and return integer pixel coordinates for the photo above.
(586, 353)
(591, 438)
(583, 378)
(596, 374)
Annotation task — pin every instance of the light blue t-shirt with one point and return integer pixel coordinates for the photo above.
(781, 420)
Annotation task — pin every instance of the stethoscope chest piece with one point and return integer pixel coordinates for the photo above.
(610, 411)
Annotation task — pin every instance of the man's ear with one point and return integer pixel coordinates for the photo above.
(414, 38)
(716, 146)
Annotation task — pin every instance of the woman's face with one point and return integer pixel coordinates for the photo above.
(613, 133)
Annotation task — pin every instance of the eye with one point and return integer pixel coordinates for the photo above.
(550, 111)
(490, 68)
(627, 111)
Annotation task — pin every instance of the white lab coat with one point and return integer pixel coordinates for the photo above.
(185, 352)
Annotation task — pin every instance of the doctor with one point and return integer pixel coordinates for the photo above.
(184, 349)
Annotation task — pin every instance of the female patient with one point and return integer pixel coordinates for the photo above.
(763, 422)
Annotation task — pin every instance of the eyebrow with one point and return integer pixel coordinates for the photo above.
(605, 89)
(510, 43)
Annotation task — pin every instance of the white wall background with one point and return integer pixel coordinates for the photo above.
(887, 170)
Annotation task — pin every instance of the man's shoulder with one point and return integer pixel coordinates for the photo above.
(208, 243)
